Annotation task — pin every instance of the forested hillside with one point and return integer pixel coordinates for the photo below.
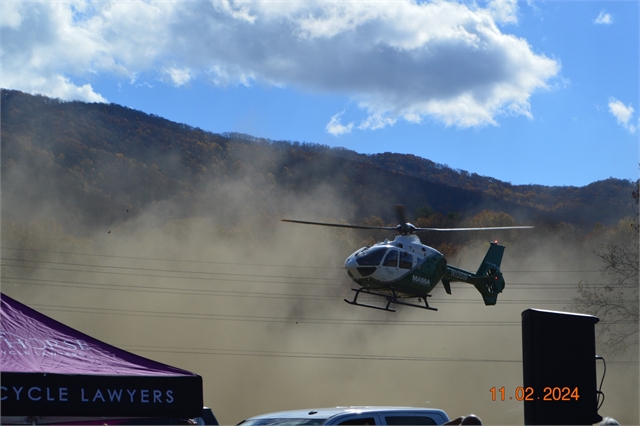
(95, 165)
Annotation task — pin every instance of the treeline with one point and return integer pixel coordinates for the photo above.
(95, 165)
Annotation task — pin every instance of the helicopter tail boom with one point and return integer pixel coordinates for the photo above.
(487, 280)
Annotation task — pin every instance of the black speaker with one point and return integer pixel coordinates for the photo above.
(559, 368)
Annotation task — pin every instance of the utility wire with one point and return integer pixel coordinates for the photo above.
(339, 282)
(240, 352)
(289, 320)
(181, 277)
(154, 289)
(247, 263)
(292, 320)
(164, 259)
(232, 274)
(84, 265)
(182, 290)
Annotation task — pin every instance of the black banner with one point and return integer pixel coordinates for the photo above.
(43, 394)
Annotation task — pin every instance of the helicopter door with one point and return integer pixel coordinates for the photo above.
(390, 263)
(406, 260)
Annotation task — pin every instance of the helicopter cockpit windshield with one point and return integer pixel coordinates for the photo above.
(372, 257)
(367, 261)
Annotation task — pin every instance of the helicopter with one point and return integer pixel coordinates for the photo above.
(404, 268)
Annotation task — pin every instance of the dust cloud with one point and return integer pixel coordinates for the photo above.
(255, 307)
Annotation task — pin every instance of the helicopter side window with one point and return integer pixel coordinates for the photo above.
(406, 260)
(391, 259)
(372, 258)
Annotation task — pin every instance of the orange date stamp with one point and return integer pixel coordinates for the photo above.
(549, 393)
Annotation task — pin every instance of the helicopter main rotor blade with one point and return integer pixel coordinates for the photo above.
(403, 227)
(340, 225)
(489, 228)
(401, 216)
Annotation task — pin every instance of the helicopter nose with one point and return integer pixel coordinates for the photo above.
(352, 267)
(350, 263)
(356, 271)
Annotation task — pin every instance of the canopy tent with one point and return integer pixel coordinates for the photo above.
(50, 369)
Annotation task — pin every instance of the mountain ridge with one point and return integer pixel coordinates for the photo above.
(106, 157)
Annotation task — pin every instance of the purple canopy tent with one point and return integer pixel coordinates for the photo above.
(50, 369)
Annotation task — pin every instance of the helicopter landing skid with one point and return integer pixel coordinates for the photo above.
(390, 299)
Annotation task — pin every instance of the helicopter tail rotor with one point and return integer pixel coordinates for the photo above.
(492, 281)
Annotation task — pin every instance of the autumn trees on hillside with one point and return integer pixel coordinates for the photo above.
(615, 298)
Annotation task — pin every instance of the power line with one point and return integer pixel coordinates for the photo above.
(145, 269)
(163, 259)
(182, 290)
(290, 320)
(247, 263)
(312, 355)
(234, 274)
(360, 357)
(339, 282)
(241, 352)
(249, 318)
(188, 278)
(152, 289)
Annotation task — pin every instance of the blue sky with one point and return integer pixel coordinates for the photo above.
(540, 92)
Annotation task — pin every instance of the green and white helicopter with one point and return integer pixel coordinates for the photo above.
(405, 268)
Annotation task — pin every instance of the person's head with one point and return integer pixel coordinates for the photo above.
(609, 421)
(471, 419)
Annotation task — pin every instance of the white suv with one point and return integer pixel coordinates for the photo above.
(351, 416)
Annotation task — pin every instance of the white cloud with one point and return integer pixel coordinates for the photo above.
(622, 113)
(397, 59)
(179, 77)
(377, 121)
(44, 51)
(10, 15)
(336, 128)
(603, 19)
(62, 88)
(503, 11)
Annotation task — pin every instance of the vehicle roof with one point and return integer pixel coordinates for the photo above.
(333, 411)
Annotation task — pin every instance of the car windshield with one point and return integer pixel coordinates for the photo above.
(282, 422)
